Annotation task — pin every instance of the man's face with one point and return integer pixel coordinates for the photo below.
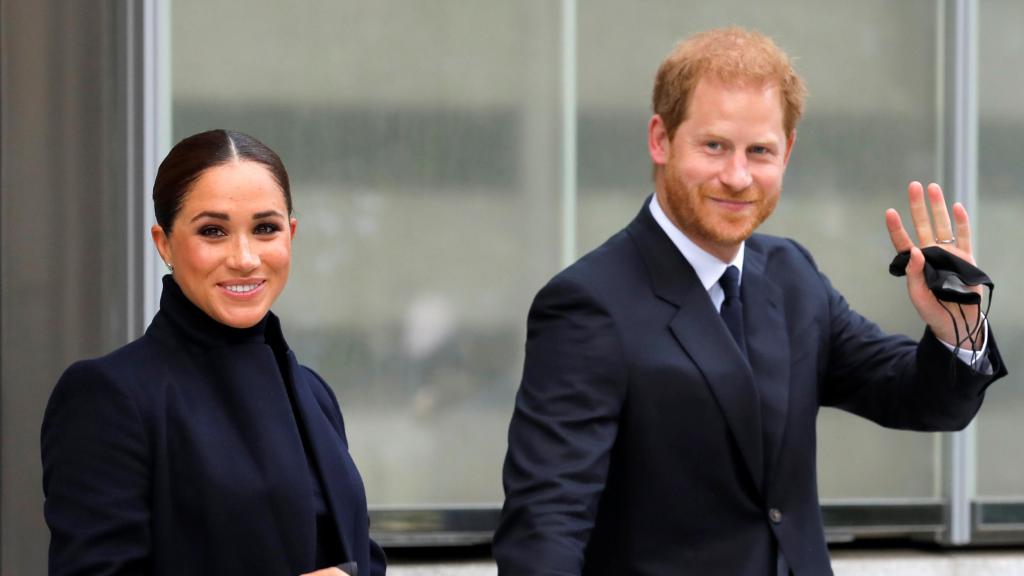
(721, 174)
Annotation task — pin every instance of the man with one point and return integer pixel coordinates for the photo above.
(666, 419)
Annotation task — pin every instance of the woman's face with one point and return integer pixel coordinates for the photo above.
(231, 243)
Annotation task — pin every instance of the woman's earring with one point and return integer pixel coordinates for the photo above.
(170, 267)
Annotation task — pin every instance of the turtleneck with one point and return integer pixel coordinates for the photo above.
(200, 329)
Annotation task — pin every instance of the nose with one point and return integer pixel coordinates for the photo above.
(243, 258)
(736, 174)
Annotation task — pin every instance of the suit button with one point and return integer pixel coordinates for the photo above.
(775, 515)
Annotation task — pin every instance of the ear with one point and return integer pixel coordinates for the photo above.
(162, 242)
(789, 147)
(658, 141)
(292, 225)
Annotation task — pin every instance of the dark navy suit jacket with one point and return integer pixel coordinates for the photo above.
(181, 454)
(643, 443)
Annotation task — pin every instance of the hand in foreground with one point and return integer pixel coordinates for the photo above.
(940, 316)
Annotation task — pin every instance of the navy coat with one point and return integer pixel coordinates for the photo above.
(180, 453)
(643, 443)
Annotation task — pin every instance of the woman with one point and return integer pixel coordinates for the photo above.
(203, 447)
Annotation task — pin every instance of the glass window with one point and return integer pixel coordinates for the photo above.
(1001, 204)
(422, 142)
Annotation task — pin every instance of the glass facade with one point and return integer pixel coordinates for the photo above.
(422, 143)
(1000, 476)
(443, 155)
(425, 151)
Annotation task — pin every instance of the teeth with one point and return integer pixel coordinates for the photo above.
(241, 288)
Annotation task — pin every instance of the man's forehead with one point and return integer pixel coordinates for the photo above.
(720, 102)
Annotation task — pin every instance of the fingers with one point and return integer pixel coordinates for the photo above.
(931, 218)
(963, 230)
(900, 239)
(919, 215)
(916, 283)
(930, 233)
(940, 217)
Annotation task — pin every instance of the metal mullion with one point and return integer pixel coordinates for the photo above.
(134, 169)
(155, 134)
(569, 144)
(961, 176)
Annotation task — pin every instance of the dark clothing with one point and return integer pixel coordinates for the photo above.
(643, 442)
(182, 453)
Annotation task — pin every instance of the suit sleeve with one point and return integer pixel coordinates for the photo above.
(96, 477)
(562, 431)
(897, 382)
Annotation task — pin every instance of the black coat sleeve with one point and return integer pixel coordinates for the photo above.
(562, 432)
(96, 477)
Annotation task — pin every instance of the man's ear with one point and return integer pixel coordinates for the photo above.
(789, 147)
(658, 141)
(162, 243)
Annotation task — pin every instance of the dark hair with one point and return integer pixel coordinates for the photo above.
(187, 161)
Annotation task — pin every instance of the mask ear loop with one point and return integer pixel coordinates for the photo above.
(969, 337)
(979, 327)
(953, 359)
(974, 333)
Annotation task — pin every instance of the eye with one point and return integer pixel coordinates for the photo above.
(212, 231)
(713, 145)
(760, 150)
(265, 228)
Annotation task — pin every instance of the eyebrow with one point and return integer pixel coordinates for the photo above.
(226, 218)
(208, 214)
(769, 141)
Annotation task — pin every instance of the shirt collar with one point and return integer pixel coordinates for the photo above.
(708, 268)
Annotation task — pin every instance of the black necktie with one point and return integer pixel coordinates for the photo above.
(732, 315)
(732, 308)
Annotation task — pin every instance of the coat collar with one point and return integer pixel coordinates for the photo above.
(331, 461)
(768, 350)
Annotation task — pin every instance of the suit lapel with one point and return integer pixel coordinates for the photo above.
(703, 336)
(325, 446)
(767, 349)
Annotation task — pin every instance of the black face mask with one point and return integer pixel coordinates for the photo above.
(950, 278)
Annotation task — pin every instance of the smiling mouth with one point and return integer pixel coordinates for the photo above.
(735, 204)
(243, 288)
